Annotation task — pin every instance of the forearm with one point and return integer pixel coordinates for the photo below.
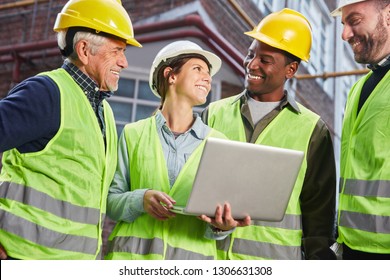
(125, 206)
(318, 196)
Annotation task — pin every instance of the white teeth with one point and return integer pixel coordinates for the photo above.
(202, 88)
(115, 72)
(254, 77)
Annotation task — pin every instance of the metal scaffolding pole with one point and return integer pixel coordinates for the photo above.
(332, 74)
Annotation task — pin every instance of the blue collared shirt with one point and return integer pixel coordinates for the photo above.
(129, 206)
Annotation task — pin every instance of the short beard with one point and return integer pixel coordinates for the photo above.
(374, 44)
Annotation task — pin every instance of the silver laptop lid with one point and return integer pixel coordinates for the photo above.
(256, 180)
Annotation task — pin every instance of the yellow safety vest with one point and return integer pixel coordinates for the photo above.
(53, 201)
(364, 201)
(146, 238)
(267, 240)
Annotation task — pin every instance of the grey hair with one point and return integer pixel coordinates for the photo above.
(96, 41)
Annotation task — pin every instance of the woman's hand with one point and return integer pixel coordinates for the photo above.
(223, 219)
(157, 205)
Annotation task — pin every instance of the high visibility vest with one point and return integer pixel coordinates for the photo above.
(267, 240)
(53, 201)
(364, 201)
(147, 238)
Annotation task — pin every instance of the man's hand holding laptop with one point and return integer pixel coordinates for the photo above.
(223, 219)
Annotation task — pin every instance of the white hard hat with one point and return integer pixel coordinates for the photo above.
(177, 48)
(342, 4)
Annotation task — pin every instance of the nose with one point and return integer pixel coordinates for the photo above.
(347, 33)
(122, 61)
(251, 63)
(207, 77)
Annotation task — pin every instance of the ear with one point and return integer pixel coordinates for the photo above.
(291, 69)
(168, 74)
(81, 48)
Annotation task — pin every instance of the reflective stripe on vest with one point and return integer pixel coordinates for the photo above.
(181, 237)
(266, 240)
(364, 199)
(379, 188)
(45, 237)
(54, 200)
(136, 245)
(266, 250)
(60, 208)
(155, 246)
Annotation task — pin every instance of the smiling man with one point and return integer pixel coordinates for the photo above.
(265, 113)
(364, 204)
(59, 139)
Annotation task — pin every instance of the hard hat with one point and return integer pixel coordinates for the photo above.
(106, 16)
(177, 48)
(342, 4)
(287, 30)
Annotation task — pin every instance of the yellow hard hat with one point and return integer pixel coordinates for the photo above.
(107, 16)
(287, 30)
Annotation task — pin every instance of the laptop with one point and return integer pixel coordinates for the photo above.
(256, 180)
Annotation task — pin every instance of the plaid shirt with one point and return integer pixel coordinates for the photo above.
(91, 90)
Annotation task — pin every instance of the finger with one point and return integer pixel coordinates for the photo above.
(227, 215)
(218, 215)
(226, 222)
(155, 213)
(205, 219)
(244, 222)
(162, 210)
(167, 200)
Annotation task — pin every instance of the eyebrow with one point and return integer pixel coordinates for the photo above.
(348, 18)
(197, 64)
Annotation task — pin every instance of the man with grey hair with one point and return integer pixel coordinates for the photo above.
(59, 139)
(364, 202)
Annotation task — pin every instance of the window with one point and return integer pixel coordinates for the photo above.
(132, 101)
(268, 6)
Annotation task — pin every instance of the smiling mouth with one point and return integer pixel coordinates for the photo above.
(355, 43)
(255, 77)
(202, 88)
(115, 72)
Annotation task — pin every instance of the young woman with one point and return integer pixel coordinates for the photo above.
(158, 158)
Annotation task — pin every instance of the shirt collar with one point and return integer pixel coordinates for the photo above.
(288, 99)
(87, 85)
(383, 63)
(196, 129)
